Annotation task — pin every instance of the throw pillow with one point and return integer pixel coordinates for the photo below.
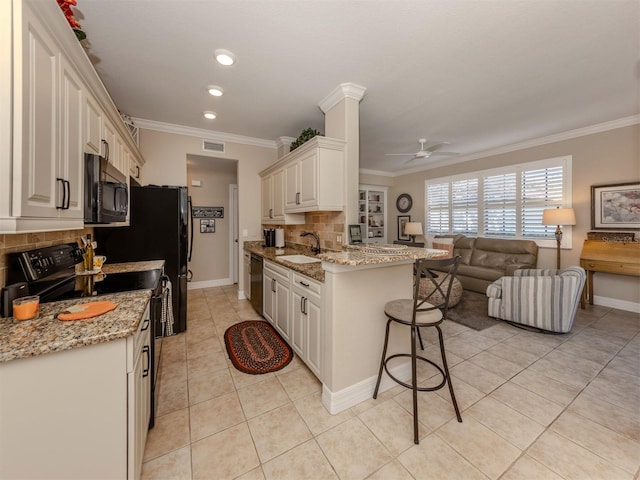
(444, 246)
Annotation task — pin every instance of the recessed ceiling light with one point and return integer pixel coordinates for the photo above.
(215, 90)
(225, 57)
(210, 115)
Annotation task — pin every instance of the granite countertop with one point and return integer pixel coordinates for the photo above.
(312, 270)
(20, 339)
(351, 255)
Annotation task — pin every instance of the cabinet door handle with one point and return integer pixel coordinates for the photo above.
(298, 198)
(271, 213)
(145, 325)
(147, 351)
(67, 194)
(137, 171)
(106, 149)
(303, 284)
(273, 285)
(63, 193)
(302, 305)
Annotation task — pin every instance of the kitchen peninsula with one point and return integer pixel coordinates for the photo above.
(357, 282)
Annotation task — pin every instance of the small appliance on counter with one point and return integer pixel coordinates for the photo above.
(279, 238)
(269, 237)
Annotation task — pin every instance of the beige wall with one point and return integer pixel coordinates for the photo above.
(210, 259)
(165, 155)
(607, 157)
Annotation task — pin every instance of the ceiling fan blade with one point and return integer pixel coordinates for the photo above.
(445, 153)
(399, 154)
(436, 146)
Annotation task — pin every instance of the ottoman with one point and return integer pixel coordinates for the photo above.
(426, 287)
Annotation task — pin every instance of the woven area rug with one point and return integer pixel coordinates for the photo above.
(472, 310)
(255, 347)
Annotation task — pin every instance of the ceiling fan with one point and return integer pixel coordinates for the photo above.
(425, 152)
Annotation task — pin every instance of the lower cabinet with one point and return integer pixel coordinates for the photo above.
(306, 320)
(292, 303)
(83, 413)
(276, 295)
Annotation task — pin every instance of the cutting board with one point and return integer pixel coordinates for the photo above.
(83, 311)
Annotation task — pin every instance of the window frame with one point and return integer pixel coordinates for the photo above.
(549, 241)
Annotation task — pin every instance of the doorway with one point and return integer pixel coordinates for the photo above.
(212, 182)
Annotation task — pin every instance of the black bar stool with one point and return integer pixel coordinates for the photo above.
(418, 313)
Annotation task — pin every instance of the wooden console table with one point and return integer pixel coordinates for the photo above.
(608, 257)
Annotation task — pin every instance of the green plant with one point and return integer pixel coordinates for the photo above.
(305, 136)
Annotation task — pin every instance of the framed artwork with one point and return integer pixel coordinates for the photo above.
(402, 219)
(208, 225)
(615, 206)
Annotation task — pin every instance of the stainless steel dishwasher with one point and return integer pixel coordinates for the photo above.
(256, 282)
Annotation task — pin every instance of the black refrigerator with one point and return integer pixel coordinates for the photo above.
(158, 219)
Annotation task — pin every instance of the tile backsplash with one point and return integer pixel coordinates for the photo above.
(19, 242)
(328, 225)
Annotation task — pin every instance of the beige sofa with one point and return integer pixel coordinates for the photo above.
(484, 260)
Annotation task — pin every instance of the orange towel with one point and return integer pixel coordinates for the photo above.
(87, 310)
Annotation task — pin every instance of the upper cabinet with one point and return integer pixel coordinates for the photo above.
(55, 109)
(306, 180)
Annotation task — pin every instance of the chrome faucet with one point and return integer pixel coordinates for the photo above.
(314, 249)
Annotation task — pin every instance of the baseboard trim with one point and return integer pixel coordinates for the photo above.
(336, 402)
(615, 303)
(209, 283)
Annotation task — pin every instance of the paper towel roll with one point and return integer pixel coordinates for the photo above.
(279, 237)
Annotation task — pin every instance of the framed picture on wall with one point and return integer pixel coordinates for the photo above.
(615, 206)
(402, 220)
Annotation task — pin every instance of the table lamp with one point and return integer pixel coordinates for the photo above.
(412, 229)
(558, 216)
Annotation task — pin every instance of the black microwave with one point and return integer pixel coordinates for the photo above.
(106, 196)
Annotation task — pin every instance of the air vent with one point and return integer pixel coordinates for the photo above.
(209, 146)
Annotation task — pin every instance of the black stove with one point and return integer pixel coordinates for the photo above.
(50, 273)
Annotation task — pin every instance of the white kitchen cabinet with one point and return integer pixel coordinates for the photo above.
(314, 176)
(54, 109)
(312, 180)
(273, 191)
(276, 297)
(71, 160)
(93, 126)
(83, 413)
(139, 398)
(306, 321)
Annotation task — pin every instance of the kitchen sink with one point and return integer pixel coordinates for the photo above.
(298, 259)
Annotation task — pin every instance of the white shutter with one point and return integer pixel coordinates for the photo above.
(464, 202)
(438, 208)
(541, 189)
(500, 205)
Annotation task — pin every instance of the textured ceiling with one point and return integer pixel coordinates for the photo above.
(478, 74)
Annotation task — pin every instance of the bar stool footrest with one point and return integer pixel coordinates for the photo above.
(408, 385)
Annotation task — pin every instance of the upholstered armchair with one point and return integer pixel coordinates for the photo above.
(542, 298)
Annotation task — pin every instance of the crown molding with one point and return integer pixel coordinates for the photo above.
(342, 91)
(202, 133)
(558, 137)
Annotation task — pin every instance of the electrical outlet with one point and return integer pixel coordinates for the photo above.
(339, 238)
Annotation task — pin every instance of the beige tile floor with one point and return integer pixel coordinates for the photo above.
(534, 407)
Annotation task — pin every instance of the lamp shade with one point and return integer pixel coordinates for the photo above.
(559, 216)
(413, 228)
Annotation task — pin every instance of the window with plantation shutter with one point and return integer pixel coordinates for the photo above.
(541, 188)
(438, 200)
(501, 203)
(464, 206)
(500, 206)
